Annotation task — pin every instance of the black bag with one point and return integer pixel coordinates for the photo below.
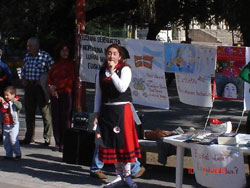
(81, 120)
(79, 146)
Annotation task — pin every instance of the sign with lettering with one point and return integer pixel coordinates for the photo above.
(194, 89)
(92, 53)
(194, 65)
(218, 166)
(205, 60)
(148, 84)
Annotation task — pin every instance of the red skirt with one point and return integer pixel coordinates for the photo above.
(131, 149)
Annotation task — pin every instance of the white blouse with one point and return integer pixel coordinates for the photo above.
(121, 84)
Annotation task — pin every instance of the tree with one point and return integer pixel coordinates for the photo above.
(180, 12)
(102, 16)
(163, 15)
(236, 14)
(189, 10)
(51, 21)
(54, 20)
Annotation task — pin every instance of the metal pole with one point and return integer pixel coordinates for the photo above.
(80, 91)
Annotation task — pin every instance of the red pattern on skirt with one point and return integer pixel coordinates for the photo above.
(131, 149)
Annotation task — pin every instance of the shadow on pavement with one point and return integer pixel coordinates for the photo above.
(47, 169)
(37, 145)
(51, 169)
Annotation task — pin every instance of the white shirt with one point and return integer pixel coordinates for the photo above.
(121, 84)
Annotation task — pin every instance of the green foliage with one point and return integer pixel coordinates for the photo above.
(94, 27)
(51, 21)
(236, 14)
(148, 10)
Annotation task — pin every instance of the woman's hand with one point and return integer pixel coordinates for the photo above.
(52, 90)
(95, 122)
(55, 94)
(111, 65)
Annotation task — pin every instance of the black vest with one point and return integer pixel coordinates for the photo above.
(109, 92)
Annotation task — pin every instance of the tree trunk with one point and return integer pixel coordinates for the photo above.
(153, 30)
(187, 34)
(186, 25)
(245, 30)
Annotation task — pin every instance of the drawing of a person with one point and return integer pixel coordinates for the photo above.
(230, 90)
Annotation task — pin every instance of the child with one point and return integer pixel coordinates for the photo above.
(9, 109)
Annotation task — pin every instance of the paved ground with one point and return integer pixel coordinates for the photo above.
(42, 167)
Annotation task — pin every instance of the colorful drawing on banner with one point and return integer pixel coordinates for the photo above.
(179, 58)
(230, 61)
(145, 61)
(139, 85)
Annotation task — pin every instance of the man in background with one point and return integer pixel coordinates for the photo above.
(36, 64)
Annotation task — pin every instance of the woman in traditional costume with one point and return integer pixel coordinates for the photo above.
(114, 117)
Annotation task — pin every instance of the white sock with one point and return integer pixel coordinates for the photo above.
(126, 169)
(118, 179)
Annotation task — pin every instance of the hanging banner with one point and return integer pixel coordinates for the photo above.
(148, 84)
(194, 89)
(230, 61)
(187, 58)
(205, 60)
(218, 166)
(194, 65)
(92, 52)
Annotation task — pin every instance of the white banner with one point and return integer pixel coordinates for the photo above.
(92, 52)
(205, 60)
(194, 89)
(148, 84)
(186, 58)
(218, 166)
